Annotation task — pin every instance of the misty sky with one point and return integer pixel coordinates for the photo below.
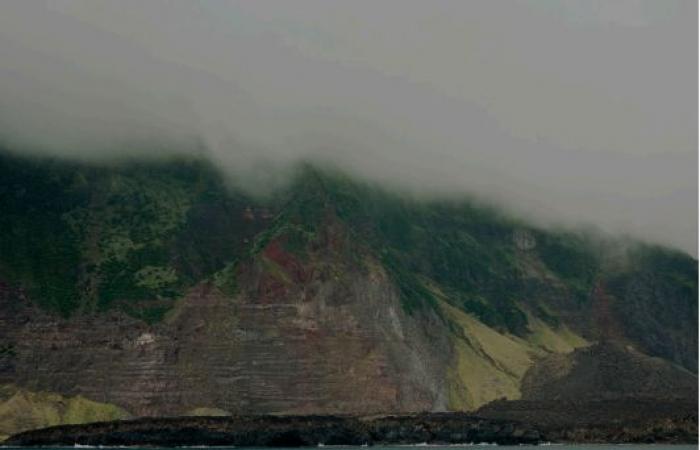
(568, 111)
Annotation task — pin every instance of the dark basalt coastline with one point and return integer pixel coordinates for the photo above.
(679, 426)
(602, 421)
(285, 431)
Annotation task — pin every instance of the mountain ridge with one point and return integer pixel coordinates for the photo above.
(159, 289)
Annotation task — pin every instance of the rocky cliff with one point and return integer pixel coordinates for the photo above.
(151, 289)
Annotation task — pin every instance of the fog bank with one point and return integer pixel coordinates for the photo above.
(575, 112)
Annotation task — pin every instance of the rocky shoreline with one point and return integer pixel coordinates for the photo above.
(298, 431)
(604, 421)
(284, 431)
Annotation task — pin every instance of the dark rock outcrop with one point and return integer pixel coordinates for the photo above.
(538, 422)
(604, 421)
(286, 431)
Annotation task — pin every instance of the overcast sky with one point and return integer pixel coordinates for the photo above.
(569, 111)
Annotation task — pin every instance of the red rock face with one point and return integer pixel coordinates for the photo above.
(321, 336)
(287, 262)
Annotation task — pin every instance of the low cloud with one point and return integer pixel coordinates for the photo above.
(573, 112)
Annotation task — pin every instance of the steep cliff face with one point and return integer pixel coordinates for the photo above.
(156, 289)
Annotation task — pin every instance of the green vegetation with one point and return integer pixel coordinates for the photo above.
(37, 249)
(671, 265)
(656, 291)
(466, 249)
(136, 236)
(86, 238)
(21, 410)
(572, 257)
(226, 281)
(675, 273)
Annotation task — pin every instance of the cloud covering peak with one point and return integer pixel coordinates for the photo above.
(579, 111)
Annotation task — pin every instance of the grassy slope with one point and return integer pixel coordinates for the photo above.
(21, 410)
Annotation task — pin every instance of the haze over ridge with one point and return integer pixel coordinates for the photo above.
(573, 112)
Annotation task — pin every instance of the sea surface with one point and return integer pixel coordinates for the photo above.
(405, 447)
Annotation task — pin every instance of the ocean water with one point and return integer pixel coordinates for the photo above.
(405, 447)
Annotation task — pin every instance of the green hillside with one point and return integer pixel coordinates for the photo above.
(157, 288)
